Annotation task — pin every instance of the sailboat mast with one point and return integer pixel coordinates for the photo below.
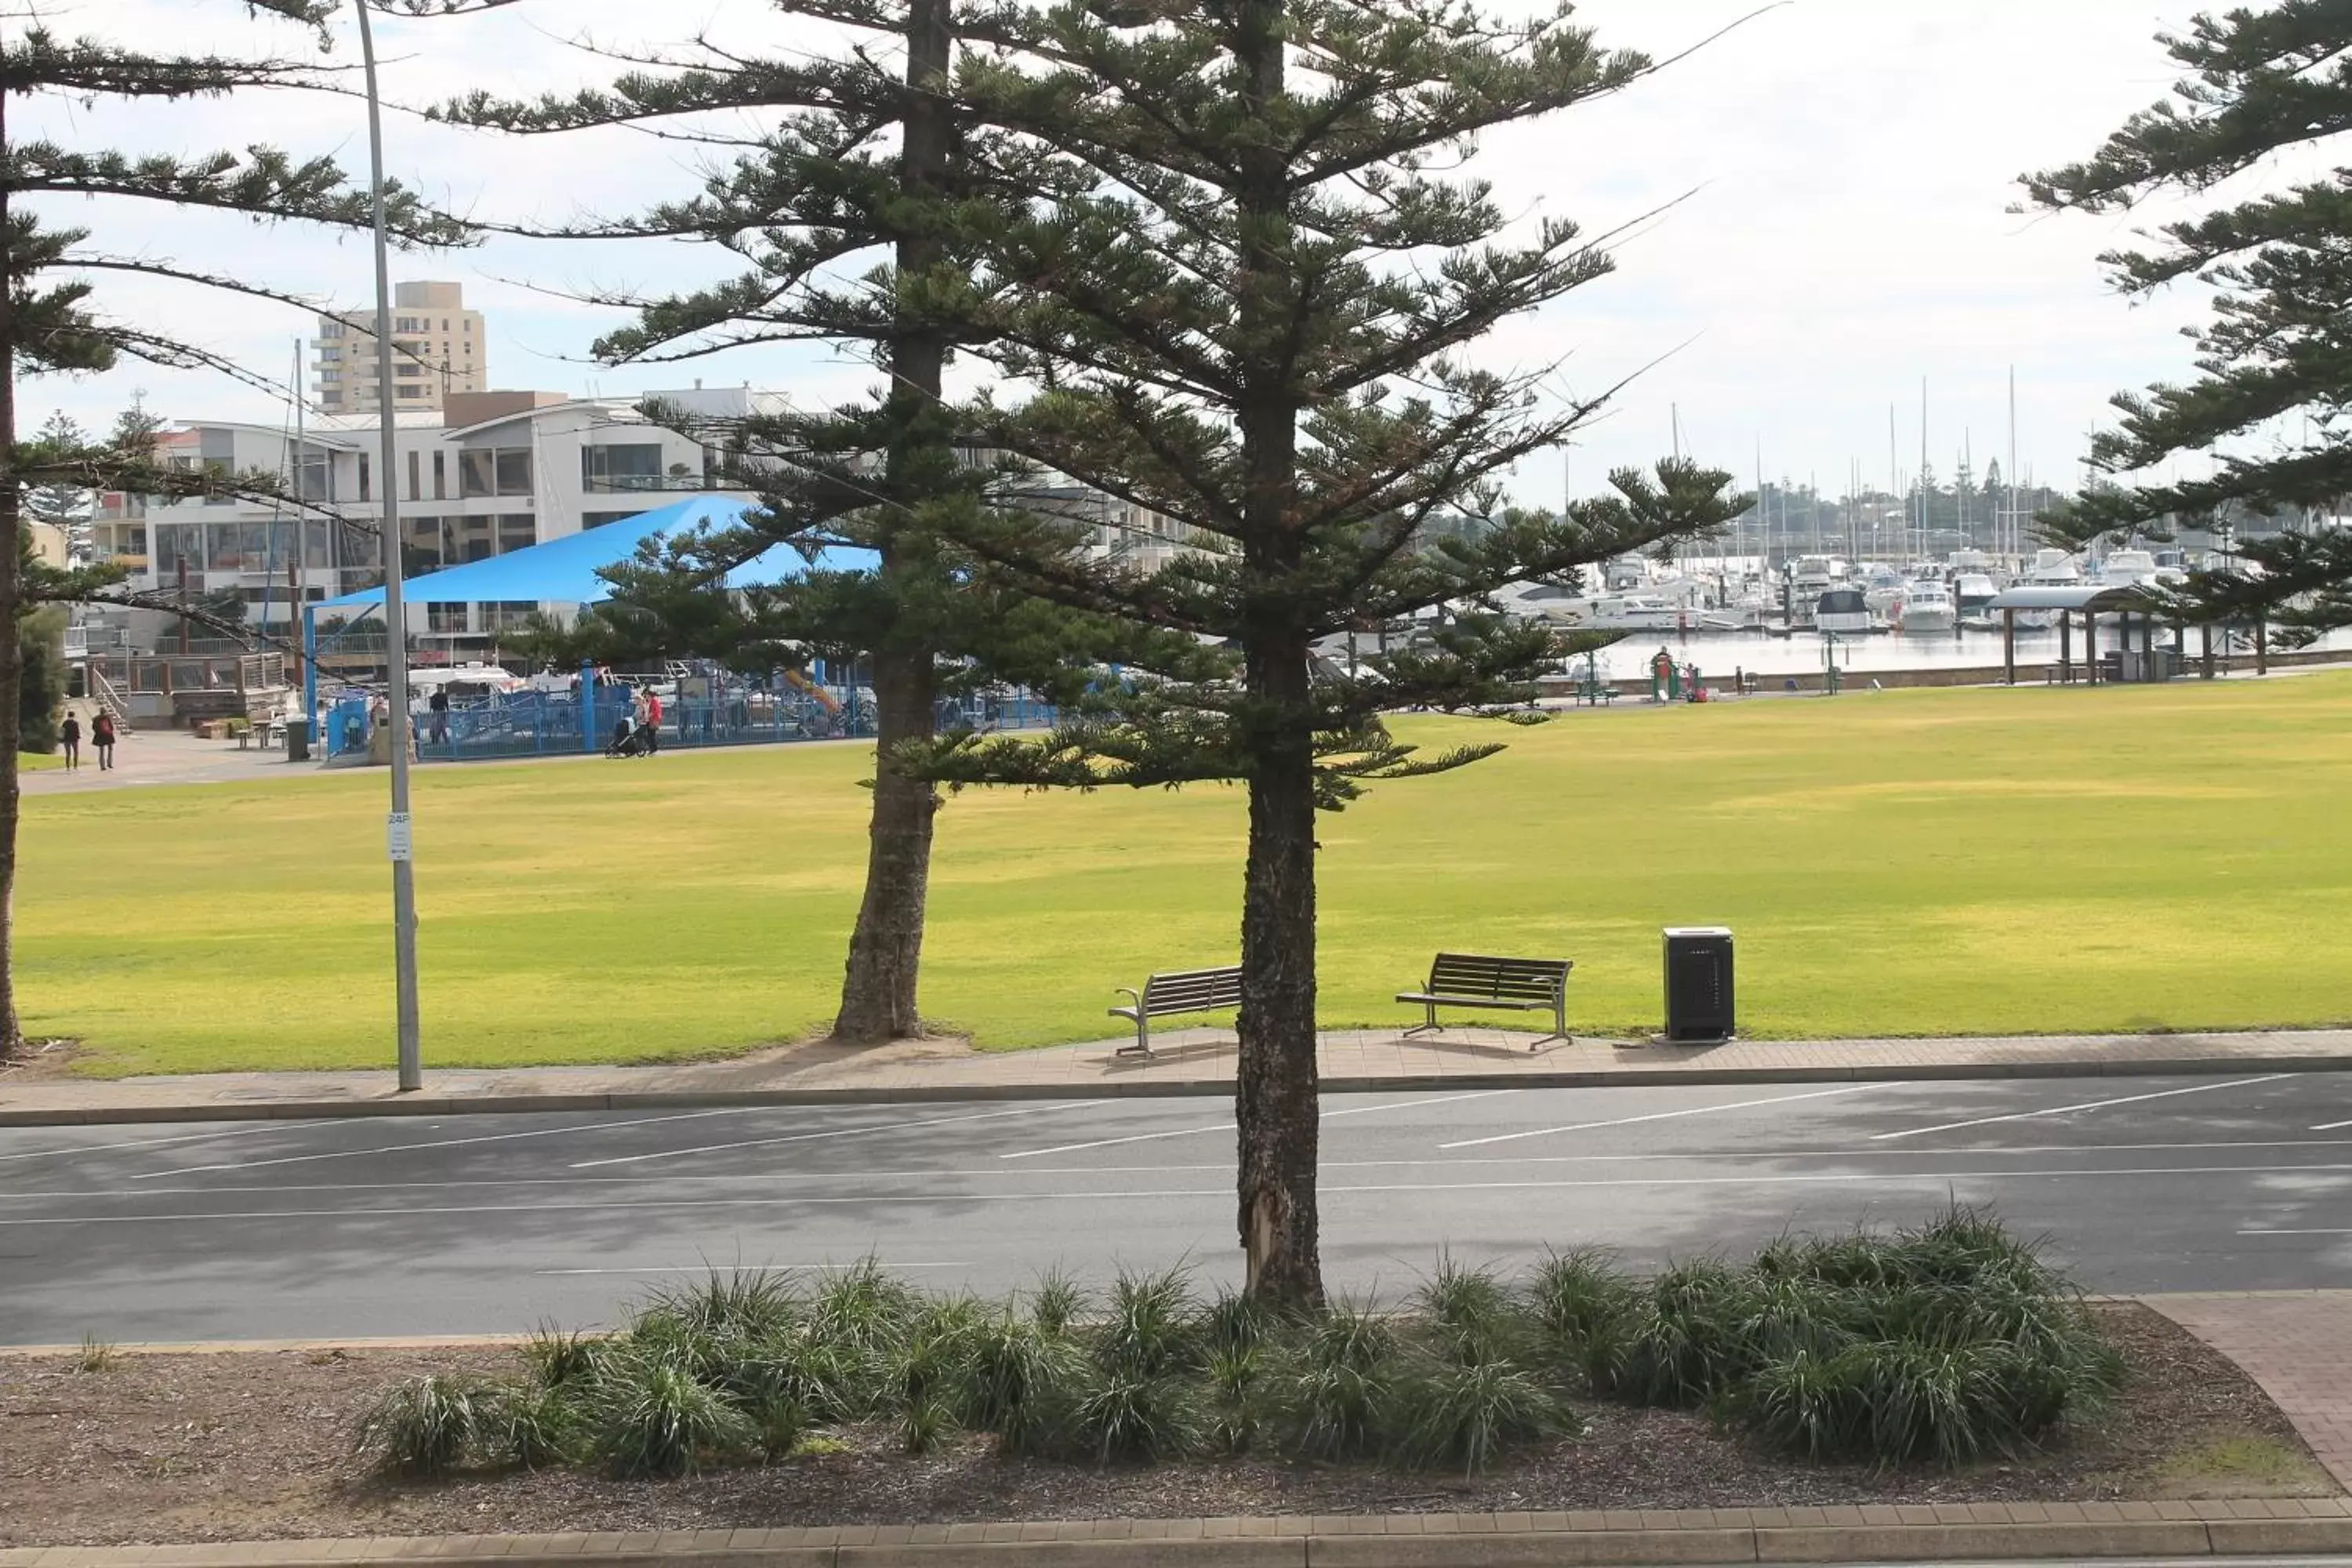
(2016, 542)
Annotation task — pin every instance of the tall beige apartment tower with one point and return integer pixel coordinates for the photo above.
(437, 348)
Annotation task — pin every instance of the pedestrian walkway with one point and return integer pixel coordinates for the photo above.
(2297, 1344)
(159, 756)
(1191, 1061)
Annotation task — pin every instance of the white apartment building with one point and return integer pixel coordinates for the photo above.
(490, 473)
(438, 352)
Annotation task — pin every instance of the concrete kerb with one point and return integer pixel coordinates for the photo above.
(1973, 1533)
(1145, 1089)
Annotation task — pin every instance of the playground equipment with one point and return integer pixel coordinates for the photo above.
(799, 681)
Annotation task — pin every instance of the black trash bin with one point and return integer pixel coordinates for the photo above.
(1698, 984)
(297, 741)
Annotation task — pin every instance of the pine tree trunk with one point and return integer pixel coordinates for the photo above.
(879, 991)
(1274, 1100)
(877, 995)
(1275, 1091)
(12, 658)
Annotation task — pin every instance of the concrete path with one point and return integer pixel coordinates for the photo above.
(2297, 1344)
(1186, 1062)
(162, 757)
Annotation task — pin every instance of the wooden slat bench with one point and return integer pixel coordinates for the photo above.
(1474, 980)
(1185, 991)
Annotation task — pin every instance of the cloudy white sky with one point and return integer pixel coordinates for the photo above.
(1845, 167)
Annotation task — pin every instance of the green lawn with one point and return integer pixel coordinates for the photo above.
(1896, 863)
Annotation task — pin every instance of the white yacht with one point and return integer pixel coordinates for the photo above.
(1926, 609)
(2052, 569)
(1972, 593)
(1624, 613)
(1882, 588)
(1843, 611)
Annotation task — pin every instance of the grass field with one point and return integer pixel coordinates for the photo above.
(1896, 863)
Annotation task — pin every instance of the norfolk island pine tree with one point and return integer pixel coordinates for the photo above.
(2265, 403)
(804, 199)
(1221, 322)
(48, 322)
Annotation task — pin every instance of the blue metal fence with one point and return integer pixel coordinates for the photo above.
(552, 723)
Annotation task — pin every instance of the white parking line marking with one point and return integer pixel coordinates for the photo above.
(895, 1268)
(1228, 1127)
(820, 1137)
(2086, 1105)
(147, 1142)
(2296, 1233)
(1660, 1116)
(2331, 1126)
(1092, 1194)
(452, 1143)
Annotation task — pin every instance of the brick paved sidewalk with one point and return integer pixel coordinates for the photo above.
(1196, 1061)
(2297, 1344)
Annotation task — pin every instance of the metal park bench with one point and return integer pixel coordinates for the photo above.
(1187, 991)
(1517, 985)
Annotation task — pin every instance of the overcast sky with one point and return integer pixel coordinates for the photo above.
(1845, 167)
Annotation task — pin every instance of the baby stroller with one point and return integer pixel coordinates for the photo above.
(631, 743)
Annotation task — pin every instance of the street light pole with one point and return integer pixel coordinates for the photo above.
(395, 614)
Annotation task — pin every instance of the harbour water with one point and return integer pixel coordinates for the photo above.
(1718, 654)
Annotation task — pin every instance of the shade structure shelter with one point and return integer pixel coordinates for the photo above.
(2138, 614)
(565, 569)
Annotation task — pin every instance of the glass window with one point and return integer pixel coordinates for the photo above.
(446, 618)
(317, 476)
(314, 544)
(364, 492)
(178, 545)
(440, 476)
(599, 519)
(622, 465)
(517, 531)
(514, 470)
(408, 368)
(424, 538)
(476, 472)
(473, 539)
(414, 476)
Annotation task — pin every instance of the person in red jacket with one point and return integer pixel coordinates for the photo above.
(653, 720)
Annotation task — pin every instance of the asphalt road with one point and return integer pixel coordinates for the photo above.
(491, 1223)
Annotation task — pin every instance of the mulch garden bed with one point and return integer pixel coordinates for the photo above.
(244, 1446)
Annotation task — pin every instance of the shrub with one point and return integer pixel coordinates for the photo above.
(749, 1304)
(560, 1358)
(1058, 1304)
(529, 1425)
(1471, 1315)
(1465, 1415)
(1336, 1397)
(1580, 1303)
(1019, 1380)
(654, 1418)
(1128, 1415)
(426, 1425)
(1150, 1331)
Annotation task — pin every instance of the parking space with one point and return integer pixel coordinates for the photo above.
(482, 1224)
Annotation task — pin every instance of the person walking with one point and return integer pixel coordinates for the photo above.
(70, 736)
(438, 707)
(101, 739)
(653, 721)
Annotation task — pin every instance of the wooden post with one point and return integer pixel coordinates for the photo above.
(2065, 647)
(2262, 647)
(2009, 644)
(2205, 636)
(2090, 647)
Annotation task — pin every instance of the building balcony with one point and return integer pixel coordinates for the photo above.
(645, 484)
